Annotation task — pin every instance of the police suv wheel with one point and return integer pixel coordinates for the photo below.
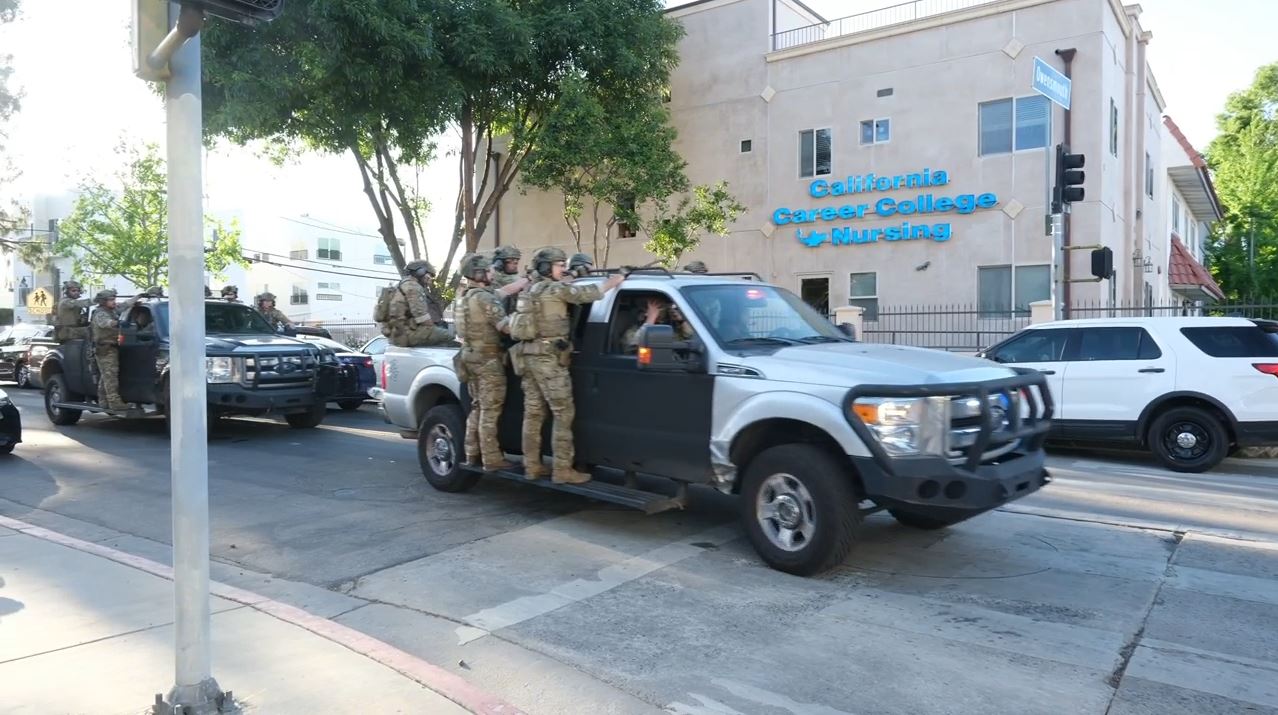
(1188, 439)
(55, 390)
(800, 509)
(441, 449)
(309, 419)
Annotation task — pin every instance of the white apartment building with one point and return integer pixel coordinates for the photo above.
(900, 157)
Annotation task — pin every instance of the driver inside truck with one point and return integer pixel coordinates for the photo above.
(657, 310)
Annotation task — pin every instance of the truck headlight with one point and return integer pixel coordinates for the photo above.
(223, 369)
(906, 426)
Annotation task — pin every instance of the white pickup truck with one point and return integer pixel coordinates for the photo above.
(770, 401)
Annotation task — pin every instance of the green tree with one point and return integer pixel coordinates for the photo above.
(1243, 248)
(675, 230)
(123, 230)
(605, 160)
(379, 79)
(12, 214)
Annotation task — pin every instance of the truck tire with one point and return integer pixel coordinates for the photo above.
(800, 509)
(1188, 439)
(309, 419)
(22, 376)
(927, 523)
(55, 390)
(350, 405)
(441, 449)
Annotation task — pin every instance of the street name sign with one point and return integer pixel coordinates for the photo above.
(1049, 82)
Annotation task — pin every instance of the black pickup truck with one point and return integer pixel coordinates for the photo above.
(250, 369)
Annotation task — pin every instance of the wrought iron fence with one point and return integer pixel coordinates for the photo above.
(353, 335)
(958, 328)
(871, 20)
(1251, 308)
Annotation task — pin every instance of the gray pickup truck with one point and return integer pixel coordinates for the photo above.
(769, 401)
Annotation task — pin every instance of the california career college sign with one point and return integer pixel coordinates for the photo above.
(816, 226)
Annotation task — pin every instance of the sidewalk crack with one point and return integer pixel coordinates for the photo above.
(1115, 679)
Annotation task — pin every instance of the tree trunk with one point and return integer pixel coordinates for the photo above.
(468, 150)
(385, 222)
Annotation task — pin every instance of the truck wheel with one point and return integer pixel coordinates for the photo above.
(350, 405)
(309, 419)
(22, 376)
(927, 523)
(55, 390)
(800, 509)
(441, 450)
(1188, 439)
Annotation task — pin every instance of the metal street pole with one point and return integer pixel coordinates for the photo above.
(195, 690)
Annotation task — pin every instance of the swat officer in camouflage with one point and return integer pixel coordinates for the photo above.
(506, 265)
(230, 294)
(415, 314)
(580, 265)
(265, 303)
(106, 345)
(480, 324)
(696, 267)
(545, 360)
(70, 322)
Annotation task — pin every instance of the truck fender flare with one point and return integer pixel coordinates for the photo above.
(428, 377)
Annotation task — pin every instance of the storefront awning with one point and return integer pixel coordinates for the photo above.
(1188, 277)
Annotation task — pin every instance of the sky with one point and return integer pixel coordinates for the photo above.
(72, 58)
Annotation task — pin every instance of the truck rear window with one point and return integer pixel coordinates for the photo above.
(1235, 341)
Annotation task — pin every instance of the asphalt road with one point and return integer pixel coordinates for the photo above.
(1119, 588)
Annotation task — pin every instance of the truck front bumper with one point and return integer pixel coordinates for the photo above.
(233, 398)
(935, 484)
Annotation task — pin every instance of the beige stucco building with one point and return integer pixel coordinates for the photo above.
(899, 157)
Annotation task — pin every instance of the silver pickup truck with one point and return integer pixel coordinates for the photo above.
(770, 401)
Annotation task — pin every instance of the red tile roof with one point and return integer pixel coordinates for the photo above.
(1184, 270)
(1194, 156)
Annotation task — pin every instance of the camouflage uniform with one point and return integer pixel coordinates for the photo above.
(480, 325)
(106, 343)
(70, 323)
(546, 380)
(411, 321)
(274, 317)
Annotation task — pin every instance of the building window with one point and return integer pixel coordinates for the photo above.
(299, 254)
(1113, 127)
(876, 131)
(298, 296)
(863, 291)
(328, 286)
(996, 297)
(1176, 216)
(747, 146)
(383, 259)
(1149, 176)
(1014, 124)
(330, 249)
(814, 153)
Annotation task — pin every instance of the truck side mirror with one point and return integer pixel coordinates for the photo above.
(657, 347)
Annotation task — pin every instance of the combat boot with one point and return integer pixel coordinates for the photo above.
(535, 470)
(570, 476)
(498, 466)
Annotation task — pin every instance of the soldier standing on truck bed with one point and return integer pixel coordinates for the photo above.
(70, 322)
(545, 356)
(106, 344)
(265, 303)
(482, 361)
(414, 315)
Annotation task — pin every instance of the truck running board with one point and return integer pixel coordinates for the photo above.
(96, 408)
(645, 501)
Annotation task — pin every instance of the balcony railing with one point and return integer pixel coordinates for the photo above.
(871, 20)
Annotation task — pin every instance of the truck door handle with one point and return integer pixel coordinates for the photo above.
(1151, 369)
(1048, 372)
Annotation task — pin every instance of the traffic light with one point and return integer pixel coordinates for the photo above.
(1069, 179)
(1102, 262)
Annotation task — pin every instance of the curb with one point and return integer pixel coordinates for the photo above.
(432, 677)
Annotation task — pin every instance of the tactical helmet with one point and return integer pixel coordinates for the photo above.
(230, 289)
(265, 296)
(696, 267)
(473, 263)
(544, 258)
(506, 253)
(207, 293)
(103, 296)
(418, 269)
(71, 284)
(155, 292)
(580, 264)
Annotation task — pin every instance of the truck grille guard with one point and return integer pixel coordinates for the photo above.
(1004, 434)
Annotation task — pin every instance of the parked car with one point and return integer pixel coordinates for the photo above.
(10, 424)
(1188, 389)
(376, 349)
(356, 360)
(769, 401)
(17, 346)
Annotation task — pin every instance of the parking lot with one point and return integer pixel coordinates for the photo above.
(1120, 588)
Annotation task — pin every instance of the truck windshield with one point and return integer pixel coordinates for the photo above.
(741, 315)
(222, 319)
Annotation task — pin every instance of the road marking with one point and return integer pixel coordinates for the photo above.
(1251, 537)
(482, 623)
(431, 676)
(755, 695)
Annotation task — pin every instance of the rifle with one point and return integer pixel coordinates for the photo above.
(627, 270)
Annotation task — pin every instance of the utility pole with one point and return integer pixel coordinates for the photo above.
(175, 59)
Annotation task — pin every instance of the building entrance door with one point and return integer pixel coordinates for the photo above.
(816, 293)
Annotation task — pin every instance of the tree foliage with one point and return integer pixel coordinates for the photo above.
(1244, 161)
(123, 230)
(674, 230)
(12, 215)
(605, 161)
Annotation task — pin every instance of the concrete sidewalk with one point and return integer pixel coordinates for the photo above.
(88, 629)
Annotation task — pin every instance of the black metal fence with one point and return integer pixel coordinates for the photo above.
(352, 334)
(1253, 308)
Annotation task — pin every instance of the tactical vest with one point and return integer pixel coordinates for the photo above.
(473, 326)
(550, 311)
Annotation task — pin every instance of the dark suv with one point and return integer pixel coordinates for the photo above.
(18, 344)
(250, 369)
